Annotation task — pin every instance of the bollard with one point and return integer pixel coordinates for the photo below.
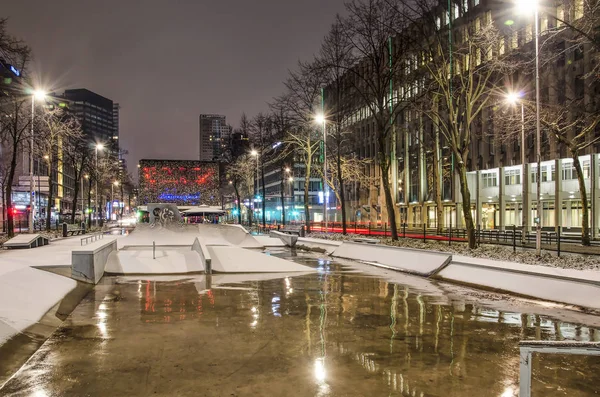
(514, 238)
(385, 229)
(83, 227)
(424, 232)
(369, 228)
(450, 235)
(154, 250)
(558, 242)
(404, 230)
(64, 229)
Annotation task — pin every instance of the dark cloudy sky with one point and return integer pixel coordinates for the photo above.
(167, 61)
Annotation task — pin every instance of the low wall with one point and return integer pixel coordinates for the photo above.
(88, 262)
(202, 250)
(288, 239)
(407, 260)
(556, 288)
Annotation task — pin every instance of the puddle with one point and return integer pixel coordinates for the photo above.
(337, 332)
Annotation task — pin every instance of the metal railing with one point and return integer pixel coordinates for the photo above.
(92, 238)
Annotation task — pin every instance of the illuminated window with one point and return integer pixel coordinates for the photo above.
(501, 47)
(512, 177)
(560, 15)
(528, 33)
(514, 42)
(489, 179)
(577, 9)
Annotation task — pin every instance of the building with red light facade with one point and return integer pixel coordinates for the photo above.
(182, 182)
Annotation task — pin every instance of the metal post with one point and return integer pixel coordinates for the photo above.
(538, 240)
(385, 229)
(153, 249)
(450, 233)
(525, 373)
(404, 230)
(325, 189)
(424, 232)
(558, 241)
(31, 180)
(96, 189)
(514, 238)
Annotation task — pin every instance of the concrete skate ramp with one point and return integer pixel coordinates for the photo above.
(227, 235)
(185, 234)
(229, 259)
(423, 263)
(169, 260)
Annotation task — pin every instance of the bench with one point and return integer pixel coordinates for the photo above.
(293, 229)
(288, 239)
(75, 232)
(26, 241)
(366, 240)
(88, 262)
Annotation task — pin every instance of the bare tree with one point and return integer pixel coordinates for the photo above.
(57, 131)
(462, 78)
(240, 174)
(375, 31)
(261, 131)
(334, 59)
(575, 127)
(15, 114)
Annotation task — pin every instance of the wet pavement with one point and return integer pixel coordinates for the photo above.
(338, 332)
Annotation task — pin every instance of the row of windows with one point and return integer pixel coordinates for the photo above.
(513, 176)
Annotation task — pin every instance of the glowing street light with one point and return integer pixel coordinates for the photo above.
(320, 119)
(40, 96)
(514, 98)
(527, 7)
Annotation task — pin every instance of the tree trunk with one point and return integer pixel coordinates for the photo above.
(282, 188)
(306, 186)
(75, 195)
(89, 200)
(263, 198)
(50, 196)
(10, 215)
(121, 201)
(239, 204)
(389, 201)
(437, 181)
(585, 221)
(342, 195)
(466, 204)
(3, 208)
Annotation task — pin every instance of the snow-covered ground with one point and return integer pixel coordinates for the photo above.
(26, 293)
(487, 251)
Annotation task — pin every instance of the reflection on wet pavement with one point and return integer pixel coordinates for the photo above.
(332, 333)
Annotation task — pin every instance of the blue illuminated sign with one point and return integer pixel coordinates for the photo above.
(16, 71)
(175, 197)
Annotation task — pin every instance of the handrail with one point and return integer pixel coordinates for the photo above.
(93, 237)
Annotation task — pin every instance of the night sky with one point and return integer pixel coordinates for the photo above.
(167, 61)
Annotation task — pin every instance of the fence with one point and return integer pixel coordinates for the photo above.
(22, 225)
(512, 236)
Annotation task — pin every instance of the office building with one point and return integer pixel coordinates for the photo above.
(214, 136)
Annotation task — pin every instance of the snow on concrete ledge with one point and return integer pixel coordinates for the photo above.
(26, 295)
(525, 280)
(229, 259)
(407, 260)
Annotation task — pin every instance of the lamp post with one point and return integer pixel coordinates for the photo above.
(39, 95)
(529, 6)
(83, 198)
(514, 98)
(255, 154)
(320, 119)
(98, 146)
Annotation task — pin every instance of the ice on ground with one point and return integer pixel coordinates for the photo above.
(228, 259)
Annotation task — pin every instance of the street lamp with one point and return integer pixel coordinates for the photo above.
(320, 119)
(527, 7)
(255, 153)
(40, 96)
(98, 146)
(513, 99)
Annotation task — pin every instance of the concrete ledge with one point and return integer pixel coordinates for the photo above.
(289, 240)
(572, 291)
(202, 250)
(26, 241)
(327, 246)
(408, 260)
(88, 262)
